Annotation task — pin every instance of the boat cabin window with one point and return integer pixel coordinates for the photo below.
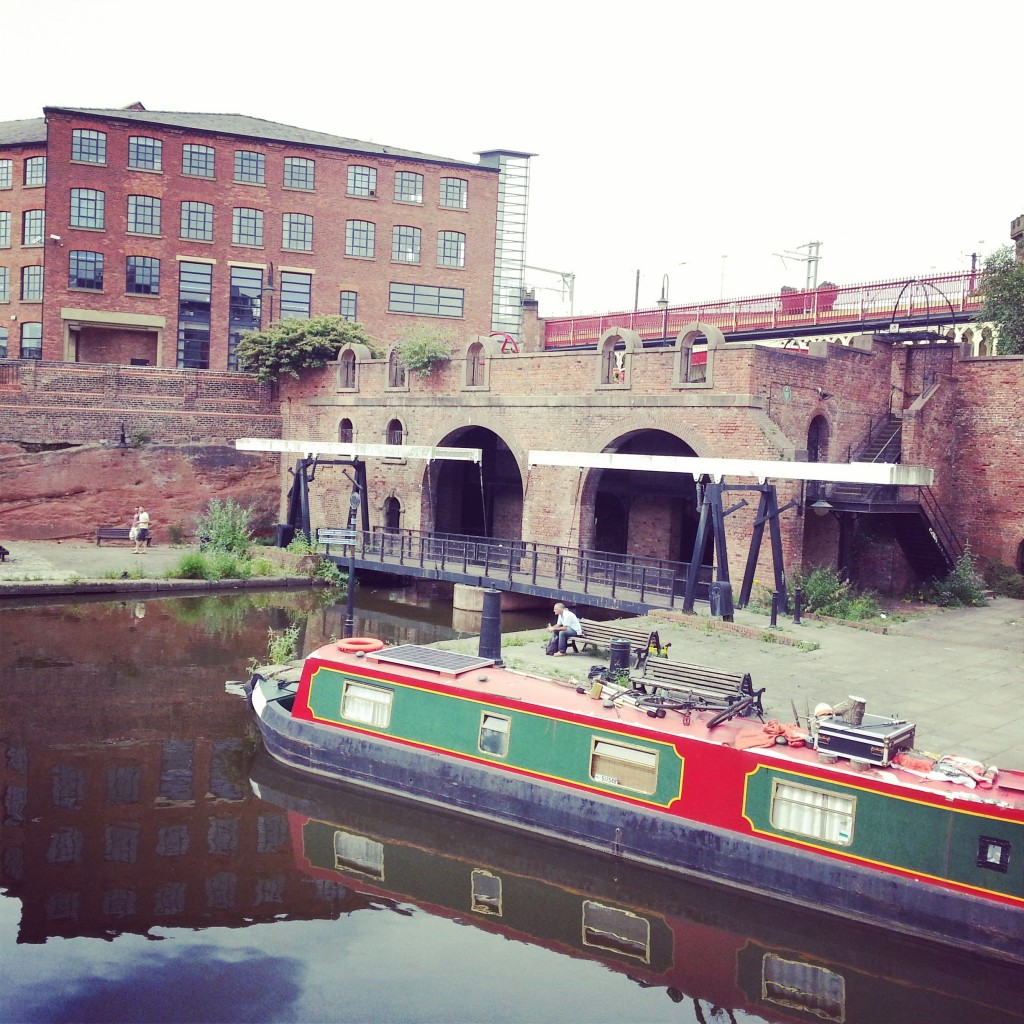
(817, 813)
(486, 892)
(494, 730)
(618, 931)
(801, 986)
(993, 854)
(368, 704)
(357, 853)
(615, 764)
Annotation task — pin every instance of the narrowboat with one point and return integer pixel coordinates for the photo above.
(691, 940)
(852, 829)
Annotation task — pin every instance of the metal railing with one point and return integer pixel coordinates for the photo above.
(529, 565)
(946, 538)
(877, 302)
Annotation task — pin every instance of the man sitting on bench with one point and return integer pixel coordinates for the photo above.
(565, 628)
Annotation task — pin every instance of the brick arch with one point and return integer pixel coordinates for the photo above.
(608, 374)
(684, 373)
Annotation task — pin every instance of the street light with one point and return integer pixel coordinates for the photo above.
(663, 303)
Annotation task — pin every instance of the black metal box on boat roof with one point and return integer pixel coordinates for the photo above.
(877, 740)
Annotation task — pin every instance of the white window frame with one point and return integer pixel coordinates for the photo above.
(810, 811)
(368, 705)
(636, 768)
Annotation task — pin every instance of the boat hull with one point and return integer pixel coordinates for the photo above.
(641, 834)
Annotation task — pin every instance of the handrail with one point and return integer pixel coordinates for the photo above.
(942, 530)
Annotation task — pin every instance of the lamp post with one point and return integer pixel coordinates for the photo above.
(663, 303)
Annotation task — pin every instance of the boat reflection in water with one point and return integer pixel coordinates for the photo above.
(723, 951)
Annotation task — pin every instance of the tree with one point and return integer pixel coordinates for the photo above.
(288, 346)
(1002, 299)
(424, 348)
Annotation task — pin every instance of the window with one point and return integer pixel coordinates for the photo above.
(197, 161)
(486, 892)
(359, 238)
(426, 299)
(494, 730)
(993, 854)
(3, 340)
(144, 215)
(5, 284)
(85, 270)
(347, 305)
(362, 181)
(142, 275)
(87, 208)
(454, 192)
(296, 292)
(145, 154)
(476, 366)
(250, 167)
(246, 226)
(5, 230)
(32, 341)
(347, 379)
(817, 813)
(88, 146)
(345, 431)
(405, 244)
(394, 433)
(451, 249)
(31, 284)
(397, 375)
(408, 187)
(33, 227)
(616, 930)
(616, 764)
(368, 704)
(299, 173)
(195, 285)
(357, 853)
(197, 221)
(297, 232)
(35, 171)
(6, 174)
(245, 311)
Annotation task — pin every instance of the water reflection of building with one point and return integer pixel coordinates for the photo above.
(715, 948)
(123, 768)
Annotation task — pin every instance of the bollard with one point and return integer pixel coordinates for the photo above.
(619, 658)
(490, 628)
(775, 609)
(798, 601)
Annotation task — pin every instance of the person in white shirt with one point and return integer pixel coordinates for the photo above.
(141, 531)
(566, 626)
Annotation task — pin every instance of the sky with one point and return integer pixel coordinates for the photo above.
(692, 143)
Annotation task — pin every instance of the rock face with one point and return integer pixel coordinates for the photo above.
(66, 493)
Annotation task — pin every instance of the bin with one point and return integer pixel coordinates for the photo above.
(619, 660)
(721, 599)
(285, 535)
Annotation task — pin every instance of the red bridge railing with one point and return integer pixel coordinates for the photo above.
(934, 296)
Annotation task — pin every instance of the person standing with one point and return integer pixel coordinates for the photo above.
(565, 627)
(141, 531)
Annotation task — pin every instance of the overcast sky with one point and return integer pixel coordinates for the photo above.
(693, 141)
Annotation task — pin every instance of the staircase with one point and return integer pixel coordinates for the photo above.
(883, 444)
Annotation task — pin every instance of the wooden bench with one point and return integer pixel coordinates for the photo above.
(676, 683)
(601, 634)
(116, 533)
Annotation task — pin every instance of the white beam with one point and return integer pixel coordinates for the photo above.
(357, 451)
(885, 473)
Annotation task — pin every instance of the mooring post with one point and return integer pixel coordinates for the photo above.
(490, 628)
(798, 603)
(775, 609)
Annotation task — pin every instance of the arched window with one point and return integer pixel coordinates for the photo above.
(817, 451)
(985, 345)
(392, 513)
(395, 432)
(347, 369)
(476, 366)
(345, 431)
(397, 377)
(695, 346)
(615, 350)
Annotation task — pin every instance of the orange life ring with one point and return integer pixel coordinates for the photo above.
(354, 644)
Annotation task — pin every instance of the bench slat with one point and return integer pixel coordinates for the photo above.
(116, 533)
(601, 634)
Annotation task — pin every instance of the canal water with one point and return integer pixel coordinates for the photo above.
(156, 866)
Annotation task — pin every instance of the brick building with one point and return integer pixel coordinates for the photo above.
(149, 238)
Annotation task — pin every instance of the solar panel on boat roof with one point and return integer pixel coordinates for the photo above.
(431, 658)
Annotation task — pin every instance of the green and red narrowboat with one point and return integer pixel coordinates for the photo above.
(876, 843)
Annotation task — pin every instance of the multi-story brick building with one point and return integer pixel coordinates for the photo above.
(151, 238)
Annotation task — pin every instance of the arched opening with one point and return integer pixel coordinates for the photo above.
(613, 360)
(395, 432)
(392, 513)
(480, 501)
(1018, 562)
(347, 369)
(396, 370)
(346, 432)
(985, 345)
(475, 366)
(817, 451)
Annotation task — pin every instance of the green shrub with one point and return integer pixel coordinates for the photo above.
(1004, 579)
(282, 646)
(300, 546)
(263, 567)
(225, 527)
(826, 593)
(963, 587)
(176, 534)
(331, 574)
(190, 567)
(425, 348)
(223, 565)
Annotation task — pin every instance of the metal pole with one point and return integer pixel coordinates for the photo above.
(350, 599)
(775, 609)
(798, 599)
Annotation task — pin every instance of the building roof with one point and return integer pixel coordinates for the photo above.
(240, 125)
(20, 133)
